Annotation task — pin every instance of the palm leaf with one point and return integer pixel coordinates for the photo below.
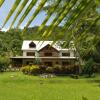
(49, 15)
(33, 2)
(1, 2)
(75, 14)
(12, 11)
(98, 1)
(82, 6)
(19, 11)
(84, 35)
(36, 12)
(58, 19)
(78, 12)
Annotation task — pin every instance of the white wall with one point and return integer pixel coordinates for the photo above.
(60, 54)
(25, 52)
(66, 51)
(72, 53)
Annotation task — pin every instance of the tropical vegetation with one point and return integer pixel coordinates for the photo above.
(79, 21)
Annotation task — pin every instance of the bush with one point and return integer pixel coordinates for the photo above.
(88, 67)
(34, 70)
(57, 69)
(49, 70)
(42, 69)
(4, 63)
(25, 69)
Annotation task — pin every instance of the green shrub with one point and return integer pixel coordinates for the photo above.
(57, 69)
(49, 70)
(88, 67)
(25, 69)
(42, 69)
(34, 69)
(4, 63)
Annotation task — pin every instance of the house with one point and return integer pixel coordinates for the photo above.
(46, 52)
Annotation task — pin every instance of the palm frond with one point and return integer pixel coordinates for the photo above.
(78, 12)
(31, 5)
(16, 4)
(1, 2)
(49, 15)
(19, 11)
(59, 19)
(36, 12)
(98, 1)
(83, 35)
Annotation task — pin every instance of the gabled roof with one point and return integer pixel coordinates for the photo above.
(40, 45)
(48, 46)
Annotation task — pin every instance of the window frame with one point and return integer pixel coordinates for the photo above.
(30, 53)
(66, 54)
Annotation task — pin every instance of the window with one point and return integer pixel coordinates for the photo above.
(32, 45)
(48, 54)
(30, 54)
(66, 54)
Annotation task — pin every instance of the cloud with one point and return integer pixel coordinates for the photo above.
(4, 29)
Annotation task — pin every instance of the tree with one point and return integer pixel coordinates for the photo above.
(88, 68)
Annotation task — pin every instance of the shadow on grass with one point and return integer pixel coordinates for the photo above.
(95, 81)
(84, 98)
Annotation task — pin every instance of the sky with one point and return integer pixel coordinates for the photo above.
(5, 8)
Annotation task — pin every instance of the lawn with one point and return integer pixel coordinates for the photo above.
(16, 86)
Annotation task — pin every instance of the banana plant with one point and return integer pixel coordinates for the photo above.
(19, 11)
(16, 4)
(31, 5)
(58, 19)
(1, 2)
(36, 12)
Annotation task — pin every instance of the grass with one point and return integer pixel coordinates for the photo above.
(16, 86)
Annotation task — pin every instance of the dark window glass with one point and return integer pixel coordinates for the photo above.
(30, 54)
(48, 54)
(66, 54)
(32, 45)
